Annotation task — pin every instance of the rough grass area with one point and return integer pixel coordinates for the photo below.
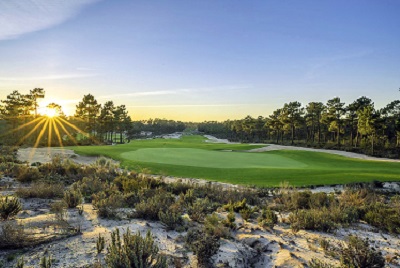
(199, 159)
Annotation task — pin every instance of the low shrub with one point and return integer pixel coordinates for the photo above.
(316, 263)
(313, 219)
(200, 208)
(230, 220)
(357, 253)
(100, 242)
(133, 251)
(245, 213)
(383, 217)
(170, 219)
(149, 208)
(237, 206)
(58, 208)
(72, 198)
(215, 226)
(204, 246)
(9, 207)
(267, 219)
(12, 235)
(41, 190)
(107, 205)
(23, 173)
(89, 186)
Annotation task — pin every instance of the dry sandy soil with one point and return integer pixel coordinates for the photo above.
(44, 155)
(249, 246)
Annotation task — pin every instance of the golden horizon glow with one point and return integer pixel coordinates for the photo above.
(50, 112)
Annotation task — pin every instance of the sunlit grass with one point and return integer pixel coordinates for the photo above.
(297, 167)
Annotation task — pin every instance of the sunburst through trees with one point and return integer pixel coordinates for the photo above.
(25, 122)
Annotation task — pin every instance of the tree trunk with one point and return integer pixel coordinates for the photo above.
(372, 143)
(292, 134)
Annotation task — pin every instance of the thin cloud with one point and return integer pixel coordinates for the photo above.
(49, 77)
(141, 93)
(175, 91)
(193, 105)
(324, 62)
(26, 16)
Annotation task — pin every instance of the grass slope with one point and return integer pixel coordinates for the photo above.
(194, 158)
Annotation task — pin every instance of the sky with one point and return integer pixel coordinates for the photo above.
(201, 60)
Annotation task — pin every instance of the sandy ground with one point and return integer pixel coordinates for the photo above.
(274, 147)
(249, 246)
(44, 155)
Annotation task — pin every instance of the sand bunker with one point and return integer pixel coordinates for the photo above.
(44, 155)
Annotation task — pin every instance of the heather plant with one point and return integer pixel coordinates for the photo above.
(267, 218)
(248, 212)
(133, 251)
(358, 253)
(149, 208)
(215, 226)
(59, 210)
(383, 217)
(200, 208)
(230, 220)
(100, 243)
(23, 173)
(204, 246)
(41, 189)
(45, 262)
(107, 205)
(12, 235)
(9, 207)
(316, 263)
(72, 198)
(20, 263)
(89, 186)
(237, 206)
(170, 219)
(313, 219)
(187, 199)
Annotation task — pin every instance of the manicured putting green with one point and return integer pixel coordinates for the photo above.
(210, 159)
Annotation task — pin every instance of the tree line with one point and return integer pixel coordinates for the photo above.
(93, 122)
(156, 126)
(358, 126)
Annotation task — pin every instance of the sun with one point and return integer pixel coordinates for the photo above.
(51, 112)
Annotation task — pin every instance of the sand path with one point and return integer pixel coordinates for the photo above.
(274, 147)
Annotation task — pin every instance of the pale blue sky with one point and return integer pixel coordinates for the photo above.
(198, 60)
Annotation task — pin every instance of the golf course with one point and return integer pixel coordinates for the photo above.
(193, 157)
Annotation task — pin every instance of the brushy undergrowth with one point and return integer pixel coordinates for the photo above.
(133, 251)
(9, 207)
(41, 190)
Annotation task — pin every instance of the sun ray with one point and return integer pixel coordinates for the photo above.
(56, 130)
(66, 131)
(31, 132)
(74, 127)
(38, 139)
(22, 126)
(49, 135)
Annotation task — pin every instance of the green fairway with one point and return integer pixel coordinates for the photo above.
(192, 157)
(213, 159)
